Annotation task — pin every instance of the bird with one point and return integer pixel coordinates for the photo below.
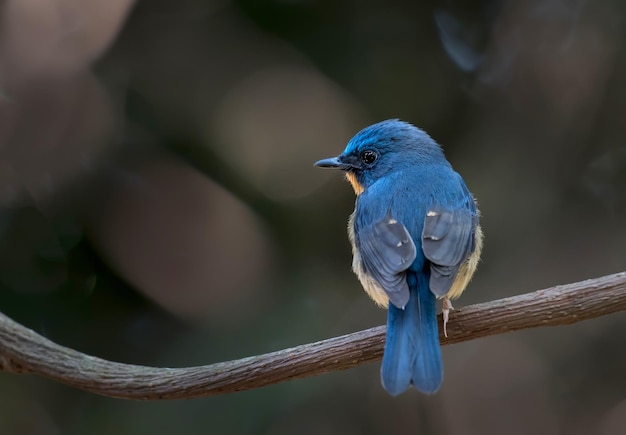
(415, 237)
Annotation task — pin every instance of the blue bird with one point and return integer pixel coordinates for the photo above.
(415, 237)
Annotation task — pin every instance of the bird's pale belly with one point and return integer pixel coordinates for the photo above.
(467, 269)
(371, 287)
(369, 284)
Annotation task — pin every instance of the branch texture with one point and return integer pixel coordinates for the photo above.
(24, 351)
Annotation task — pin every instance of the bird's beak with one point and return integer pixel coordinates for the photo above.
(333, 162)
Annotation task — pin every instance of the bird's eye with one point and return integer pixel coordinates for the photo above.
(368, 156)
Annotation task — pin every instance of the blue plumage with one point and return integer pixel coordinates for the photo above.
(415, 237)
(412, 354)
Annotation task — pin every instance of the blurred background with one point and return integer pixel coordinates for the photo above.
(158, 203)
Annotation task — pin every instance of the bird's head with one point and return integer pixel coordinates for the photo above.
(381, 149)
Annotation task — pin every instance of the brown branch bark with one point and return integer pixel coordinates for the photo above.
(24, 351)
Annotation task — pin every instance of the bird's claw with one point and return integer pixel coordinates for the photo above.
(447, 306)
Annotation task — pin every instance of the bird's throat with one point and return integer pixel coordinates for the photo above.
(358, 187)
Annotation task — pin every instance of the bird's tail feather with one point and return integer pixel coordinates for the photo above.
(412, 352)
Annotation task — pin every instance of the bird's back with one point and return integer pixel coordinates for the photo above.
(408, 194)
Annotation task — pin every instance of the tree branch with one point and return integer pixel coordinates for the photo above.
(24, 351)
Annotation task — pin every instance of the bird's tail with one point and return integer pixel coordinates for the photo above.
(412, 352)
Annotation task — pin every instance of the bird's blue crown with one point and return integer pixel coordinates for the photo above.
(394, 135)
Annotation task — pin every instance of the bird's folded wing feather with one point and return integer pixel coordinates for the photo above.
(387, 251)
(447, 241)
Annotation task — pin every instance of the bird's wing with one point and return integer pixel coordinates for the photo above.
(387, 250)
(447, 241)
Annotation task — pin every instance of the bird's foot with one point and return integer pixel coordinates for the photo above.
(447, 306)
